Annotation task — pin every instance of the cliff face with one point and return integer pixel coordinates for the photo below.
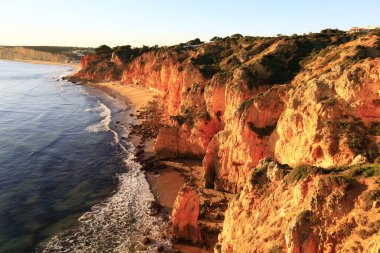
(232, 102)
(189, 125)
(323, 117)
(305, 209)
(97, 69)
(298, 100)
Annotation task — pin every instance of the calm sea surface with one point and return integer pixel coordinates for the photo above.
(68, 181)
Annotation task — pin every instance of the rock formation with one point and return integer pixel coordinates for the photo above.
(185, 216)
(304, 209)
(310, 99)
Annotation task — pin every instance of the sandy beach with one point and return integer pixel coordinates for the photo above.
(138, 96)
(173, 173)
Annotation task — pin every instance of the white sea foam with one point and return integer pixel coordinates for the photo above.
(102, 125)
(121, 222)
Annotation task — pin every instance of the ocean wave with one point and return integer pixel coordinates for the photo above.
(103, 125)
(118, 224)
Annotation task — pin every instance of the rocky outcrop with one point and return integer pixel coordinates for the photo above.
(182, 87)
(89, 60)
(320, 119)
(185, 216)
(328, 100)
(249, 136)
(304, 209)
(96, 68)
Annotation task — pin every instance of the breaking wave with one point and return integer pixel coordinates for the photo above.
(122, 222)
(118, 224)
(103, 125)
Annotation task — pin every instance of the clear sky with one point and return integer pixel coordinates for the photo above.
(168, 22)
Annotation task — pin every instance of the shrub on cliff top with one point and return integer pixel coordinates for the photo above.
(126, 53)
(330, 31)
(216, 38)
(103, 50)
(302, 171)
(236, 35)
(357, 133)
(363, 170)
(194, 42)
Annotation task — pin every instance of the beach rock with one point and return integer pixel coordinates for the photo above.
(185, 215)
(166, 145)
(154, 208)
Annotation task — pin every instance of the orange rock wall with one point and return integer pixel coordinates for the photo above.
(318, 213)
(232, 126)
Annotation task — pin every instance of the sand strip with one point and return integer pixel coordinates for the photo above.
(77, 66)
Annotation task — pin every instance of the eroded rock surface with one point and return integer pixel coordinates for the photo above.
(303, 209)
(311, 99)
(185, 216)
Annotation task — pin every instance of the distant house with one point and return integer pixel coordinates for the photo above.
(356, 30)
(362, 29)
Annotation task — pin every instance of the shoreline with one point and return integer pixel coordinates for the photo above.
(77, 66)
(161, 173)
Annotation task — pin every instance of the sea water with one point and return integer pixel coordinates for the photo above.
(68, 178)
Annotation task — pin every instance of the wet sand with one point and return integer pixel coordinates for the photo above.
(138, 96)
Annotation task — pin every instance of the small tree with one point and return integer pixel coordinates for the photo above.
(215, 38)
(194, 42)
(103, 50)
(330, 31)
(236, 36)
(123, 52)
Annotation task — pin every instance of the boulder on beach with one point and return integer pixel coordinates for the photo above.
(185, 215)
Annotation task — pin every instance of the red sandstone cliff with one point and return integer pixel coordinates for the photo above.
(299, 100)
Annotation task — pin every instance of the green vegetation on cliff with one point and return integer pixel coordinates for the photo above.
(261, 60)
